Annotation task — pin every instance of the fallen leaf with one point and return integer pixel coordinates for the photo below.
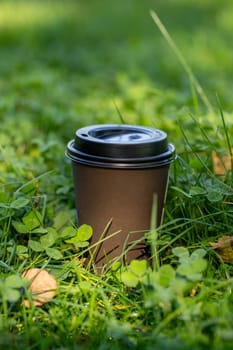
(42, 285)
(221, 163)
(224, 247)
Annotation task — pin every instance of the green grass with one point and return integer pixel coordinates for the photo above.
(68, 65)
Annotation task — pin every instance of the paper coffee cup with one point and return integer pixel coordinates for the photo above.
(117, 171)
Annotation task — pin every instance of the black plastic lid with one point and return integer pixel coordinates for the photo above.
(120, 146)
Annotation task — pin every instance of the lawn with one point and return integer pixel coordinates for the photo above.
(164, 64)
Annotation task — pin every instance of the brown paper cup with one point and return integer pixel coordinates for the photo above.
(118, 170)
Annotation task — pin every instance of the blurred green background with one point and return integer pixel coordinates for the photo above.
(68, 63)
(65, 64)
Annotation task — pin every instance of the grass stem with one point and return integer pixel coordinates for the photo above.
(193, 80)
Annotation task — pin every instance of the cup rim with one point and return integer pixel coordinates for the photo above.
(134, 163)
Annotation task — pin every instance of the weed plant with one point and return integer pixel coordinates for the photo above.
(63, 67)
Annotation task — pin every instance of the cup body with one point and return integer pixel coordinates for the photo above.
(115, 194)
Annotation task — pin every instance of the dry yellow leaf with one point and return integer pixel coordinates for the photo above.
(224, 247)
(43, 286)
(221, 164)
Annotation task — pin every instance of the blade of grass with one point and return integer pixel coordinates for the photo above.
(119, 113)
(34, 180)
(94, 248)
(195, 85)
(153, 234)
(201, 129)
(229, 146)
